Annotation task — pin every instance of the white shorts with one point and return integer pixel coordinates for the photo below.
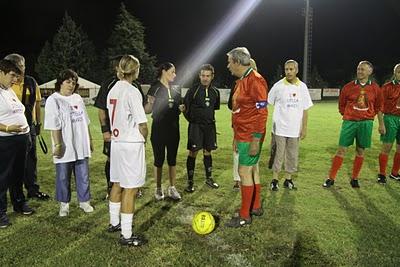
(127, 164)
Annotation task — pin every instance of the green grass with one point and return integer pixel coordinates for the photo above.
(310, 226)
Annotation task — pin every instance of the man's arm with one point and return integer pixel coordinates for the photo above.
(144, 130)
(105, 125)
(303, 131)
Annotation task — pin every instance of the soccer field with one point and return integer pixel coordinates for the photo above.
(309, 226)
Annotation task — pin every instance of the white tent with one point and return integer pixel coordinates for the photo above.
(87, 89)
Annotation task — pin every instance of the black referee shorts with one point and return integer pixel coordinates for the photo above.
(202, 136)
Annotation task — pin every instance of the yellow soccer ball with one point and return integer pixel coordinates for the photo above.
(203, 223)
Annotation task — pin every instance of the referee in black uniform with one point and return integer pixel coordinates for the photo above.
(201, 101)
(101, 104)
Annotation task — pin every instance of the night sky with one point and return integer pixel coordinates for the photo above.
(344, 31)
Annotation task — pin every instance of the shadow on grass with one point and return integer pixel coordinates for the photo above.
(376, 232)
(392, 192)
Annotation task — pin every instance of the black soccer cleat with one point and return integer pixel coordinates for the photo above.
(257, 212)
(133, 241)
(211, 183)
(328, 183)
(381, 179)
(354, 183)
(274, 185)
(289, 184)
(237, 222)
(190, 187)
(114, 228)
(394, 177)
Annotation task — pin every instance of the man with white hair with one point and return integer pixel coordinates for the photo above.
(390, 126)
(359, 102)
(292, 100)
(249, 117)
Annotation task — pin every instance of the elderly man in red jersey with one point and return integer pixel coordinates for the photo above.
(249, 116)
(359, 102)
(390, 126)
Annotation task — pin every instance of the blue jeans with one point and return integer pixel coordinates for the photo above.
(63, 180)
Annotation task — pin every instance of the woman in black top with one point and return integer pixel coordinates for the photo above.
(165, 104)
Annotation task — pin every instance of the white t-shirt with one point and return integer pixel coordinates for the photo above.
(68, 114)
(125, 109)
(12, 111)
(290, 100)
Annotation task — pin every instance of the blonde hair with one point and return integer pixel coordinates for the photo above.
(128, 66)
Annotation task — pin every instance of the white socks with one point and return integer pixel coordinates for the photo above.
(126, 224)
(114, 213)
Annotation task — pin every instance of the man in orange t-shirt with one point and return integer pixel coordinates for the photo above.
(390, 126)
(359, 102)
(249, 116)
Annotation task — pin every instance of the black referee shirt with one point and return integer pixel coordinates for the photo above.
(200, 107)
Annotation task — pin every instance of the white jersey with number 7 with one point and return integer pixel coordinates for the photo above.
(125, 110)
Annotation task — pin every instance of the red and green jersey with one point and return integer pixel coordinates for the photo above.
(360, 102)
(249, 106)
(390, 93)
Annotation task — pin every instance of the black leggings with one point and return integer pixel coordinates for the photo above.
(165, 140)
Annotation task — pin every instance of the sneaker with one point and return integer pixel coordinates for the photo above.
(274, 185)
(237, 222)
(173, 193)
(289, 184)
(134, 241)
(86, 206)
(159, 194)
(236, 186)
(354, 183)
(190, 187)
(210, 182)
(394, 177)
(64, 209)
(257, 212)
(111, 228)
(4, 221)
(381, 179)
(24, 209)
(328, 183)
(39, 195)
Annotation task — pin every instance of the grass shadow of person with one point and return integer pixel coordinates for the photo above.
(375, 232)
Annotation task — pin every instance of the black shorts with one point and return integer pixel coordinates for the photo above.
(202, 136)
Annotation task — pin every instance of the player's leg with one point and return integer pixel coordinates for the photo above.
(172, 151)
(280, 146)
(291, 160)
(209, 143)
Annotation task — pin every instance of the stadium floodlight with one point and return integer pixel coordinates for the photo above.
(230, 23)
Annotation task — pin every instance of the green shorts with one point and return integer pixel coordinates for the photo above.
(359, 130)
(392, 125)
(244, 158)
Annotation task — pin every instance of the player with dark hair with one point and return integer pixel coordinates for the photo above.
(164, 102)
(201, 101)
